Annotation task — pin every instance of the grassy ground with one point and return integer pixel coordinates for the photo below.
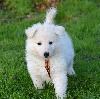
(81, 18)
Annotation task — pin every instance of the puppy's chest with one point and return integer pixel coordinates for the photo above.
(43, 67)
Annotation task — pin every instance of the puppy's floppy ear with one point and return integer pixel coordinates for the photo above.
(30, 31)
(60, 30)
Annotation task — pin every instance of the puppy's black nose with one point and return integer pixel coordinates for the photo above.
(46, 54)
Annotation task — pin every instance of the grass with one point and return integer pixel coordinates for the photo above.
(82, 21)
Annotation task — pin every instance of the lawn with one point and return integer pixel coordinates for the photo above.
(81, 19)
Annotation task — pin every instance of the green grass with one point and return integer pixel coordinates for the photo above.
(81, 18)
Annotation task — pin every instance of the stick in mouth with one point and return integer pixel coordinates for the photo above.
(47, 66)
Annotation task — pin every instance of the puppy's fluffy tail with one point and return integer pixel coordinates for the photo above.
(51, 13)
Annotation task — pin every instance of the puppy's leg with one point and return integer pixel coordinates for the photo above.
(35, 76)
(70, 69)
(38, 82)
(60, 84)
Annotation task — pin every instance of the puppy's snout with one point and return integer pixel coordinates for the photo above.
(46, 54)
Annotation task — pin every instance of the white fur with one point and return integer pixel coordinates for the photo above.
(51, 13)
(61, 54)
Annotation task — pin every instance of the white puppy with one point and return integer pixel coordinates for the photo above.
(49, 54)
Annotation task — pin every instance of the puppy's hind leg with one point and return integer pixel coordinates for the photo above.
(70, 69)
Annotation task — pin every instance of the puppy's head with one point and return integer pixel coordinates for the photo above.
(43, 40)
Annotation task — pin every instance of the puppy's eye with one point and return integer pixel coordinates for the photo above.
(39, 43)
(50, 43)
